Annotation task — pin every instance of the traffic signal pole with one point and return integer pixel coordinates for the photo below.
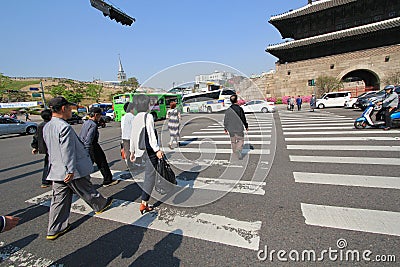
(44, 101)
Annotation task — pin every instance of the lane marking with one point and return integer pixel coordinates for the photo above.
(319, 124)
(226, 136)
(363, 220)
(344, 132)
(351, 160)
(204, 226)
(318, 128)
(345, 138)
(344, 148)
(224, 142)
(347, 180)
(203, 183)
(216, 150)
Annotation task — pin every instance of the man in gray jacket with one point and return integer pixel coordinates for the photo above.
(69, 169)
(389, 105)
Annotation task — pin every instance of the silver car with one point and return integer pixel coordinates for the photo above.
(13, 126)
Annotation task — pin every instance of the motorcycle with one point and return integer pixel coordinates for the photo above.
(366, 118)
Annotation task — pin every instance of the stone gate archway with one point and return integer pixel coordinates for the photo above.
(370, 78)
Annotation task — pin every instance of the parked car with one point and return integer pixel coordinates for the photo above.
(14, 126)
(351, 103)
(333, 99)
(259, 106)
(110, 114)
(363, 102)
(75, 119)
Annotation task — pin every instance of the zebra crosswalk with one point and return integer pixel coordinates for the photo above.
(230, 179)
(325, 130)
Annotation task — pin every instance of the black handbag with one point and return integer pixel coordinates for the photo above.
(165, 177)
(142, 135)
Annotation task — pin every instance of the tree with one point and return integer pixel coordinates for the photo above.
(94, 91)
(393, 78)
(326, 84)
(4, 82)
(56, 90)
(132, 84)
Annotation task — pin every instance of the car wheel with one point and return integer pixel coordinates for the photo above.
(31, 130)
(354, 106)
(264, 110)
(321, 106)
(209, 110)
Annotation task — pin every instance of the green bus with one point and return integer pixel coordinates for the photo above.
(159, 103)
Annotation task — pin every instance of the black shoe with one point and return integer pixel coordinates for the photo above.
(386, 128)
(113, 182)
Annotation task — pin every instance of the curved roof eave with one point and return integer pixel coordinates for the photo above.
(377, 26)
(310, 8)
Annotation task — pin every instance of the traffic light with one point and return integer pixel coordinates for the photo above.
(112, 12)
(311, 82)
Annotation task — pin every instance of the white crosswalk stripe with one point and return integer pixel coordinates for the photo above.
(214, 228)
(363, 220)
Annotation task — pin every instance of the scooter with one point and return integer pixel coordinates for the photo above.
(366, 118)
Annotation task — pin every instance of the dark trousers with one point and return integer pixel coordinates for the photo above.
(388, 112)
(97, 155)
(298, 107)
(149, 175)
(46, 170)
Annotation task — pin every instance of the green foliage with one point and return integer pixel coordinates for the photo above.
(56, 90)
(132, 84)
(279, 101)
(94, 91)
(326, 84)
(393, 78)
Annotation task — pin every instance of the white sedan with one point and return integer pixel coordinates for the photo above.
(259, 106)
(351, 103)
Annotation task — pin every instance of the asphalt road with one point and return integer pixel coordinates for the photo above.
(308, 183)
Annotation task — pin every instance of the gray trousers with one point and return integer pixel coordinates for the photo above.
(61, 201)
(126, 145)
(237, 141)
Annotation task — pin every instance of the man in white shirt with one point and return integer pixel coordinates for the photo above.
(126, 130)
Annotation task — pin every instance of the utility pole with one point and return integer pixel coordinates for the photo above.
(44, 101)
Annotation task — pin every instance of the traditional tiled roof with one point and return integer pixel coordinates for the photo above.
(369, 28)
(311, 8)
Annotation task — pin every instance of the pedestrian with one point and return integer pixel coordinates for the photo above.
(292, 101)
(299, 101)
(39, 146)
(389, 105)
(69, 169)
(174, 117)
(89, 135)
(313, 102)
(147, 149)
(234, 122)
(126, 129)
(288, 103)
(8, 222)
(27, 116)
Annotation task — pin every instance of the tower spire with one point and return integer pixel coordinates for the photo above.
(121, 74)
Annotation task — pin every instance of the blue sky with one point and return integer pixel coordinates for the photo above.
(71, 39)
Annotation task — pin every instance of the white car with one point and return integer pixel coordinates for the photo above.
(351, 103)
(110, 114)
(259, 106)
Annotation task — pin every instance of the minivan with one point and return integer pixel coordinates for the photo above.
(333, 99)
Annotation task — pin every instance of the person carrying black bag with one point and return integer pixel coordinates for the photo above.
(149, 152)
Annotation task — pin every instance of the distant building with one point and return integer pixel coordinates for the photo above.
(121, 74)
(216, 77)
(347, 39)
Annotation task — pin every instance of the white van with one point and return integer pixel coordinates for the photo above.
(333, 99)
